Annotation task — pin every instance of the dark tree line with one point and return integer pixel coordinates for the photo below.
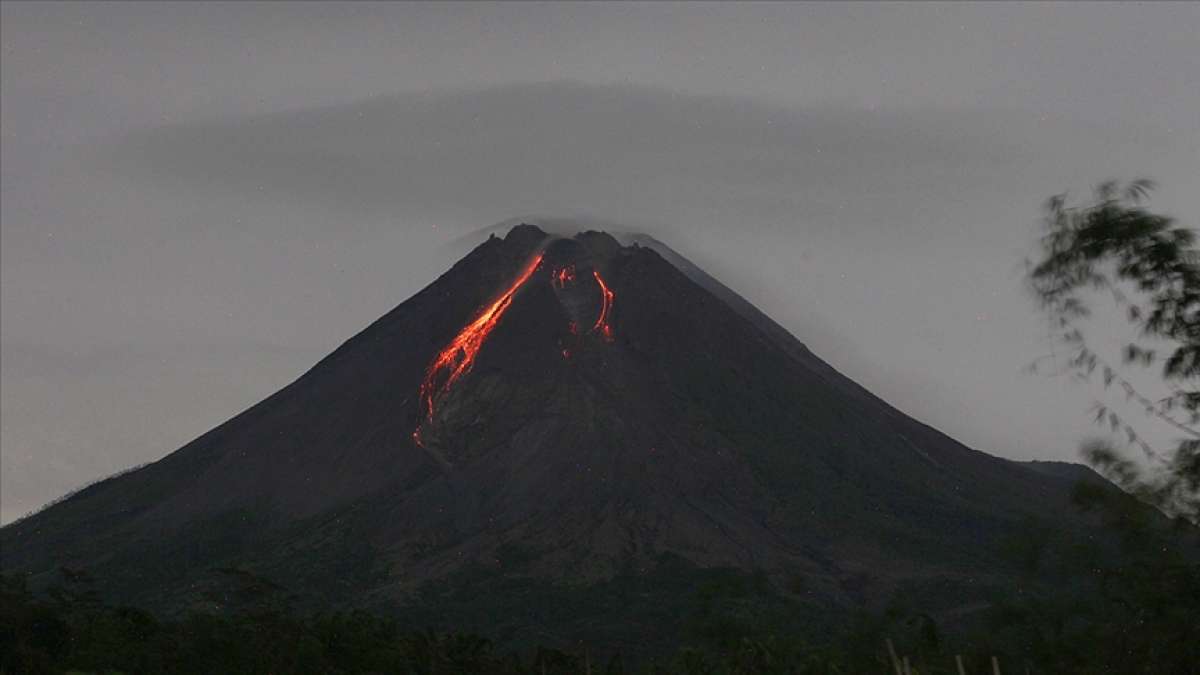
(1138, 621)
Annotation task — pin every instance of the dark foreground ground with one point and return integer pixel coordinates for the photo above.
(1136, 619)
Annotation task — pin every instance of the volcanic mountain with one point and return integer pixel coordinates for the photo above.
(557, 429)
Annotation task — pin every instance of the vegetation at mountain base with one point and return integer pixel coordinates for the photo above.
(1140, 617)
(1143, 609)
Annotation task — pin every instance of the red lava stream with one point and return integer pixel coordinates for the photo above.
(606, 301)
(457, 358)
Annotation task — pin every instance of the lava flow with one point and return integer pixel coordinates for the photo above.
(563, 276)
(457, 358)
(606, 301)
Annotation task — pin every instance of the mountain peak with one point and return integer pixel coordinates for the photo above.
(524, 234)
(559, 409)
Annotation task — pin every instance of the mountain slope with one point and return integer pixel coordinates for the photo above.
(554, 413)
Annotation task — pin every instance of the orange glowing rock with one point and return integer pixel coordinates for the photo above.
(563, 276)
(457, 358)
(606, 301)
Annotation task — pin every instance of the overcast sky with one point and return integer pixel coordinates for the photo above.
(197, 201)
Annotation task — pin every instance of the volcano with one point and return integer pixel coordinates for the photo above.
(558, 435)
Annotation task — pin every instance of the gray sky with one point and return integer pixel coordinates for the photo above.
(199, 201)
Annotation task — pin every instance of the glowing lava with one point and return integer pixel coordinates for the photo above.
(458, 357)
(563, 276)
(606, 301)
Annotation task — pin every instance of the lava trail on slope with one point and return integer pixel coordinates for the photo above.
(457, 358)
(606, 301)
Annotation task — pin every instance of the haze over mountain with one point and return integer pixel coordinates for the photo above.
(556, 415)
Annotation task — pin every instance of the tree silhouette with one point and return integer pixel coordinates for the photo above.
(1148, 265)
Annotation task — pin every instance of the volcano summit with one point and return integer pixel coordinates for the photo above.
(555, 434)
